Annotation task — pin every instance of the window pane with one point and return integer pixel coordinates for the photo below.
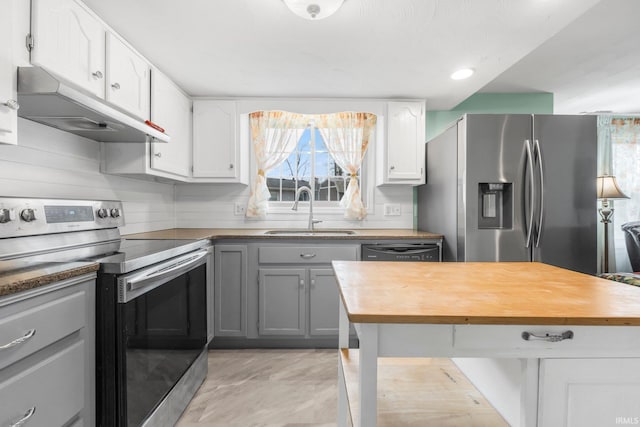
(329, 181)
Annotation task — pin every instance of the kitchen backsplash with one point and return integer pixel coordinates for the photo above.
(51, 163)
(213, 205)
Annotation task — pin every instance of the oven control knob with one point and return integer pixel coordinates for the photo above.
(5, 216)
(28, 215)
(115, 213)
(102, 213)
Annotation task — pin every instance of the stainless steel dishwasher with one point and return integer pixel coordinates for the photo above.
(408, 252)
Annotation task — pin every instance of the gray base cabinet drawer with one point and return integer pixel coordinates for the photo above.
(52, 391)
(28, 331)
(306, 255)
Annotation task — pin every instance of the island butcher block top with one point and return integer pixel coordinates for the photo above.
(500, 293)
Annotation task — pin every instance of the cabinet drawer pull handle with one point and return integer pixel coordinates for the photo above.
(116, 85)
(25, 417)
(30, 333)
(11, 104)
(392, 167)
(97, 74)
(307, 256)
(230, 165)
(566, 335)
(158, 155)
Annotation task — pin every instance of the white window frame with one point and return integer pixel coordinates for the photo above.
(367, 178)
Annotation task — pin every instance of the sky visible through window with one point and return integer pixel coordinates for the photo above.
(329, 179)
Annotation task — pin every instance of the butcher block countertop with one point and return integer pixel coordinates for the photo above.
(499, 293)
(257, 233)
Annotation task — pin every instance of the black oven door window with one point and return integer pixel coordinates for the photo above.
(166, 330)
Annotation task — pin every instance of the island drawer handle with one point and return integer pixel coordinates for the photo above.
(25, 417)
(17, 341)
(566, 335)
(307, 256)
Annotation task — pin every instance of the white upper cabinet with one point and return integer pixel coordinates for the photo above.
(127, 79)
(8, 99)
(72, 43)
(69, 41)
(402, 160)
(216, 145)
(171, 109)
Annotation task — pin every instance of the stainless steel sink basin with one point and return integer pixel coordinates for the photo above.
(303, 232)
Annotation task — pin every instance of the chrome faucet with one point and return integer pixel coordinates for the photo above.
(301, 190)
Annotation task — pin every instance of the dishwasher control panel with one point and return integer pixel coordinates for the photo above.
(408, 252)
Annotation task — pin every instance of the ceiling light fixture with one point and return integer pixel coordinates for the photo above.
(313, 9)
(462, 74)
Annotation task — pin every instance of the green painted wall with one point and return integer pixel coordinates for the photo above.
(527, 103)
(488, 103)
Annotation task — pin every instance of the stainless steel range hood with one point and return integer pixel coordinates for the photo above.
(45, 99)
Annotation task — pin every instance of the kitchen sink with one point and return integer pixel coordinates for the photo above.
(305, 232)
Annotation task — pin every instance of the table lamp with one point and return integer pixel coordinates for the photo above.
(607, 190)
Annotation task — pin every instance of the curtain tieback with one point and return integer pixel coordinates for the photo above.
(353, 175)
(261, 172)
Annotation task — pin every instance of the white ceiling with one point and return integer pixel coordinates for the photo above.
(390, 48)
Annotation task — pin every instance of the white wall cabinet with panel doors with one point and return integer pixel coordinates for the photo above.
(171, 110)
(69, 41)
(127, 78)
(8, 96)
(402, 159)
(217, 153)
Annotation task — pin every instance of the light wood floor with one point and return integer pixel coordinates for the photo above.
(298, 388)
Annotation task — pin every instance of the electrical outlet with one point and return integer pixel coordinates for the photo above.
(392, 210)
(239, 209)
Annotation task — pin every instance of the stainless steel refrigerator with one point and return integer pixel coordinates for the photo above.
(514, 187)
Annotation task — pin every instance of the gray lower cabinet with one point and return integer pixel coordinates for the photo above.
(47, 355)
(282, 301)
(324, 302)
(297, 290)
(230, 290)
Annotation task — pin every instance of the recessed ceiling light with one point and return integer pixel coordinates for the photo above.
(462, 74)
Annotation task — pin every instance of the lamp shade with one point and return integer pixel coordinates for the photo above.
(608, 188)
(313, 9)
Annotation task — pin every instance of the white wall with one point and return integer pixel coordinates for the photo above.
(51, 163)
(212, 205)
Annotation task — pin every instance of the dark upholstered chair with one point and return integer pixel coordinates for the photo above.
(632, 241)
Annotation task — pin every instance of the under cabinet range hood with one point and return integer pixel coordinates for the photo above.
(46, 99)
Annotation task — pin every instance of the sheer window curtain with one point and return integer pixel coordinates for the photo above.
(272, 136)
(346, 136)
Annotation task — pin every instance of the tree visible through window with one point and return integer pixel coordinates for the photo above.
(309, 165)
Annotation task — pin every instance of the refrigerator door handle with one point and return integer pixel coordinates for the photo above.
(532, 192)
(538, 154)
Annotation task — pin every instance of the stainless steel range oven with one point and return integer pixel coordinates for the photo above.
(151, 303)
(151, 331)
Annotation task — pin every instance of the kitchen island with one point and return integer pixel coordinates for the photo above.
(575, 337)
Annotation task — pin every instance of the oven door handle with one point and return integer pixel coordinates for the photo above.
(168, 270)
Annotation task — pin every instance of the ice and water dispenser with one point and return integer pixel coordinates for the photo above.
(495, 207)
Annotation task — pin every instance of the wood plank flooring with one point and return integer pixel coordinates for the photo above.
(298, 388)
